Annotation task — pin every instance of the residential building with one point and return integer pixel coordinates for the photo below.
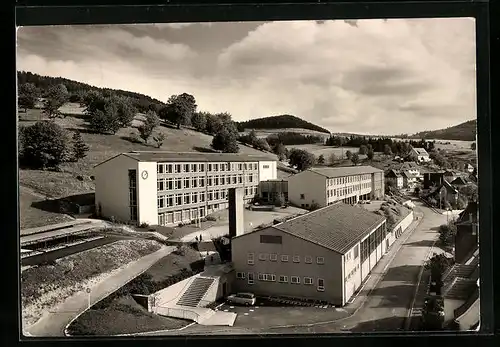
(324, 255)
(324, 186)
(270, 190)
(421, 154)
(450, 175)
(433, 179)
(167, 188)
(410, 179)
(395, 177)
(470, 169)
(412, 167)
(460, 181)
(467, 238)
(445, 193)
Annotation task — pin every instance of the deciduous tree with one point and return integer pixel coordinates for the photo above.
(321, 159)
(301, 159)
(370, 154)
(56, 97)
(80, 148)
(199, 121)
(179, 109)
(28, 95)
(363, 149)
(148, 126)
(225, 141)
(355, 159)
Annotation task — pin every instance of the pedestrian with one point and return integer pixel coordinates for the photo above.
(200, 237)
(196, 237)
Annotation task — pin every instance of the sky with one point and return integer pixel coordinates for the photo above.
(381, 77)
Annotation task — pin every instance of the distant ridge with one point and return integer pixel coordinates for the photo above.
(462, 132)
(285, 121)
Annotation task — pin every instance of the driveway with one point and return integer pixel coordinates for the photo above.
(53, 323)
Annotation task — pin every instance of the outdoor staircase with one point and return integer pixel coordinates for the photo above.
(461, 289)
(193, 295)
(461, 271)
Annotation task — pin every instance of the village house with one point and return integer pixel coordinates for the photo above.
(413, 168)
(421, 153)
(410, 179)
(433, 179)
(466, 238)
(445, 193)
(395, 177)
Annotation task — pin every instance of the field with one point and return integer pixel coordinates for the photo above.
(121, 314)
(266, 132)
(327, 151)
(102, 147)
(45, 286)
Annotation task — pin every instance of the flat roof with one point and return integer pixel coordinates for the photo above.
(338, 227)
(341, 171)
(162, 156)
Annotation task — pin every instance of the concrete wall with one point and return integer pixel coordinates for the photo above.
(330, 271)
(147, 195)
(236, 212)
(311, 184)
(112, 187)
(216, 292)
(352, 270)
(172, 293)
(268, 170)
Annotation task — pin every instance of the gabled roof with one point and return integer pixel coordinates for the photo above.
(407, 174)
(337, 227)
(420, 151)
(393, 173)
(164, 156)
(449, 187)
(460, 181)
(409, 165)
(341, 171)
(471, 209)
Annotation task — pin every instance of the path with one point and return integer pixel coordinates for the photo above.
(54, 323)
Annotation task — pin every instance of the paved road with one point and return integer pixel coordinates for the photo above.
(54, 323)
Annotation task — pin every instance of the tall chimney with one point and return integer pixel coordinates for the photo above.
(236, 211)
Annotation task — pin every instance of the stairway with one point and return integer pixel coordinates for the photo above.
(193, 295)
(461, 289)
(461, 271)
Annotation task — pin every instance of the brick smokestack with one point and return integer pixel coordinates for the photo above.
(236, 211)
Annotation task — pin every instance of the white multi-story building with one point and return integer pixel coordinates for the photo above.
(166, 188)
(324, 186)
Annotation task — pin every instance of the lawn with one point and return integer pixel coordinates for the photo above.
(32, 217)
(103, 147)
(45, 286)
(121, 314)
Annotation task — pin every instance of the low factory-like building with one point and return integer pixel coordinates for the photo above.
(324, 255)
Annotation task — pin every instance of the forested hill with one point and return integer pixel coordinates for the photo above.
(462, 132)
(280, 122)
(76, 89)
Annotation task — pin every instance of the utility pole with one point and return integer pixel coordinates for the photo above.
(88, 290)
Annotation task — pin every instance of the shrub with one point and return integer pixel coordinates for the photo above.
(314, 206)
(144, 225)
(210, 218)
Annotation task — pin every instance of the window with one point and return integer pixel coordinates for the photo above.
(186, 182)
(194, 182)
(320, 260)
(308, 259)
(250, 278)
(302, 196)
(161, 202)
(187, 198)
(178, 183)
(295, 279)
(262, 256)
(169, 168)
(228, 179)
(194, 167)
(202, 196)
(209, 181)
(161, 185)
(260, 277)
(216, 167)
(160, 168)
(296, 258)
(202, 182)
(265, 166)
(233, 179)
(177, 168)
(240, 275)
(169, 184)
(283, 279)
(178, 199)
(308, 280)
(321, 285)
(250, 259)
(169, 200)
(273, 257)
(202, 167)
(276, 239)
(240, 178)
(194, 197)
(284, 258)
(222, 167)
(209, 167)
(186, 167)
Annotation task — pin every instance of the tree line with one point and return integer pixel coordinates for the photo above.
(280, 122)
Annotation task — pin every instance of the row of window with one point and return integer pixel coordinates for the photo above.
(284, 258)
(200, 167)
(196, 197)
(347, 190)
(166, 184)
(320, 282)
(348, 179)
(180, 216)
(369, 245)
(352, 272)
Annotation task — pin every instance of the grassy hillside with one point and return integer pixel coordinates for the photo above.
(280, 122)
(462, 132)
(74, 178)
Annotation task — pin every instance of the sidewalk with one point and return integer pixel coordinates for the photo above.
(55, 323)
(379, 270)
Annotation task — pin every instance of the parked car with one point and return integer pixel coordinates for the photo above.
(247, 299)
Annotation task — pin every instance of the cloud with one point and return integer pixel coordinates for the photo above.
(367, 76)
